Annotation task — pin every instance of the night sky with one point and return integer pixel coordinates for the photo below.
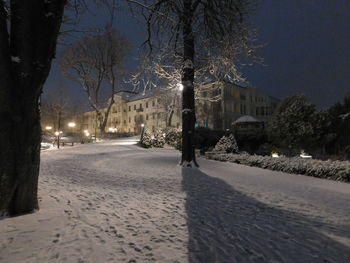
(307, 49)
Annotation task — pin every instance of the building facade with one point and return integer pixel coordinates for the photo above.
(234, 102)
(130, 111)
(159, 110)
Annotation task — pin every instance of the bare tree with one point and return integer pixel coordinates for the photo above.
(97, 63)
(55, 106)
(212, 29)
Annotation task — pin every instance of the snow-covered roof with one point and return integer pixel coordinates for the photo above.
(246, 118)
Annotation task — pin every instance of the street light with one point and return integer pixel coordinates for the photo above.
(71, 124)
(142, 131)
(57, 133)
(180, 86)
(48, 128)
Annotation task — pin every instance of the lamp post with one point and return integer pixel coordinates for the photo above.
(57, 133)
(142, 130)
(72, 125)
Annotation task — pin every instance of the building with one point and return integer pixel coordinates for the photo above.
(218, 106)
(130, 110)
(234, 102)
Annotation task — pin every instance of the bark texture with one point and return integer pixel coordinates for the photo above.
(26, 52)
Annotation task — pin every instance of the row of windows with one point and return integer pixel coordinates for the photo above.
(141, 105)
(116, 109)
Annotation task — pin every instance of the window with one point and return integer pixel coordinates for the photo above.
(129, 119)
(236, 94)
(153, 115)
(153, 103)
(146, 116)
(135, 107)
(146, 104)
(237, 107)
(140, 106)
(158, 116)
(129, 108)
(134, 118)
(124, 121)
(153, 129)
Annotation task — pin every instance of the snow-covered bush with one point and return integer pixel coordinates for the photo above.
(227, 144)
(146, 141)
(159, 139)
(334, 170)
(173, 137)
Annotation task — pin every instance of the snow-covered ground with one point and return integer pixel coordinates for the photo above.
(116, 202)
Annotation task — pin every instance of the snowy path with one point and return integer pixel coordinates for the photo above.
(112, 202)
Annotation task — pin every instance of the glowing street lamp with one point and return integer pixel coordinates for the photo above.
(180, 86)
(57, 133)
(48, 128)
(71, 124)
(142, 131)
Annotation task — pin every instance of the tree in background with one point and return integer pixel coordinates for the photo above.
(211, 29)
(97, 62)
(338, 129)
(56, 104)
(291, 128)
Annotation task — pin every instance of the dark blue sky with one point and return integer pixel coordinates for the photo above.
(307, 48)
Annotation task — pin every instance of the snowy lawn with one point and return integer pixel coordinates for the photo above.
(114, 202)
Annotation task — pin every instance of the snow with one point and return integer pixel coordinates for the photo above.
(186, 111)
(15, 59)
(111, 202)
(246, 118)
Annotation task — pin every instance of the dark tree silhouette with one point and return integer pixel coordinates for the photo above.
(28, 37)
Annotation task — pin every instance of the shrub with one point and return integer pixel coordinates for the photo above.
(334, 170)
(227, 144)
(159, 139)
(146, 141)
(206, 139)
(173, 137)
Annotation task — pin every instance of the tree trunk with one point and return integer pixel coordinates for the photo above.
(170, 117)
(188, 107)
(25, 61)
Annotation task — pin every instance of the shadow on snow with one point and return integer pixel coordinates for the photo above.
(227, 226)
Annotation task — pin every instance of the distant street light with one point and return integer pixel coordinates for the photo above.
(71, 124)
(48, 128)
(180, 86)
(57, 133)
(142, 131)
